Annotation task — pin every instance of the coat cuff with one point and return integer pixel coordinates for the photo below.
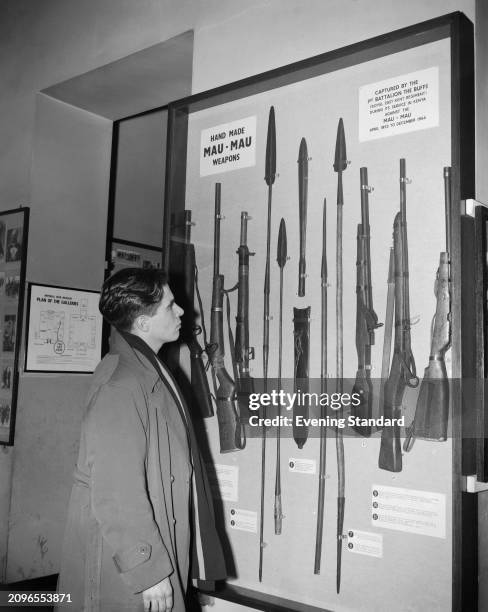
(142, 566)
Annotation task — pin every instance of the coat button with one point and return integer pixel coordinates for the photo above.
(174, 521)
(172, 478)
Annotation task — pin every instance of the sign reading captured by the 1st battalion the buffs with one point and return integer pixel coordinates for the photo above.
(405, 103)
(228, 146)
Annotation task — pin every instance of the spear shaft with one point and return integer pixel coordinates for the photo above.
(281, 259)
(323, 409)
(270, 174)
(340, 164)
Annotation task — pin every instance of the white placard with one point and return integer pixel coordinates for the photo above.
(243, 520)
(302, 466)
(228, 146)
(421, 512)
(65, 330)
(402, 104)
(224, 481)
(365, 543)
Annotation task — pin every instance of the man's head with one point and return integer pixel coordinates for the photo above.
(140, 301)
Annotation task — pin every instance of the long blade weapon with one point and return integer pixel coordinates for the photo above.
(302, 208)
(281, 259)
(340, 164)
(323, 409)
(269, 177)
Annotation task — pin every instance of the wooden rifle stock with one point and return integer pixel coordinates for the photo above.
(402, 371)
(183, 279)
(227, 415)
(366, 317)
(432, 410)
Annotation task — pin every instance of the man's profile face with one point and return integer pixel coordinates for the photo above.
(164, 324)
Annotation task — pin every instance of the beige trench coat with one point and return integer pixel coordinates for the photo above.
(128, 523)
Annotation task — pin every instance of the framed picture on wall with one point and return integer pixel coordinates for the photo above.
(64, 330)
(14, 225)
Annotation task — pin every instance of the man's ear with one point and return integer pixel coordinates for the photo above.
(141, 323)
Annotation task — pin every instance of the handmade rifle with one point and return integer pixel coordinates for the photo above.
(323, 389)
(227, 414)
(402, 370)
(199, 381)
(281, 258)
(269, 177)
(243, 352)
(340, 164)
(302, 210)
(301, 334)
(432, 411)
(366, 317)
(390, 307)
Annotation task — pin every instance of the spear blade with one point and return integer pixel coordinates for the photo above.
(270, 164)
(282, 250)
(340, 159)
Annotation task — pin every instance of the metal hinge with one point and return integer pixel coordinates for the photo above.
(471, 484)
(468, 206)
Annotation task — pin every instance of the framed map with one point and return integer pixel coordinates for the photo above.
(64, 330)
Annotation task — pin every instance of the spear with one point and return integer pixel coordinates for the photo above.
(323, 409)
(340, 164)
(269, 177)
(302, 206)
(281, 259)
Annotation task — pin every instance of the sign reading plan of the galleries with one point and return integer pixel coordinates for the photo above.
(402, 104)
(64, 330)
(228, 146)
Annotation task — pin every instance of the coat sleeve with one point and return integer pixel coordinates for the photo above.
(120, 502)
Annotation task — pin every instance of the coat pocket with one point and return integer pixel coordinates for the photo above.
(126, 560)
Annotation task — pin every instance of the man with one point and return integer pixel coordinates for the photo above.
(140, 513)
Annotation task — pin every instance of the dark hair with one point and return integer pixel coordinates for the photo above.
(129, 293)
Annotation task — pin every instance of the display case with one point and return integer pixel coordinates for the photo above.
(325, 217)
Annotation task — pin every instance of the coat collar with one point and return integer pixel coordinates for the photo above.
(120, 346)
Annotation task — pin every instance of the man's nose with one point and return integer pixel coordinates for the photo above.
(179, 310)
